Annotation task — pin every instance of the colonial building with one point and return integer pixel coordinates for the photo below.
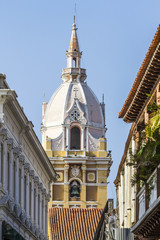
(25, 173)
(139, 206)
(73, 135)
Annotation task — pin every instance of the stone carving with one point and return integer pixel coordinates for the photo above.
(75, 171)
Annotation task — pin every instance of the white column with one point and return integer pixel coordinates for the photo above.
(121, 200)
(11, 174)
(126, 188)
(43, 209)
(22, 186)
(36, 205)
(27, 193)
(67, 136)
(82, 138)
(46, 217)
(32, 199)
(40, 214)
(5, 172)
(17, 180)
(86, 138)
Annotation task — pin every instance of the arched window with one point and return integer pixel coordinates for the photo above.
(75, 138)
(74, 189)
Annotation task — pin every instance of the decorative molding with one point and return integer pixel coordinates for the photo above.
(91, 177)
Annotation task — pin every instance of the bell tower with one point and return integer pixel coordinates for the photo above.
(73, 135)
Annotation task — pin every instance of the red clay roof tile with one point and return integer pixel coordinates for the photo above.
(73, 224)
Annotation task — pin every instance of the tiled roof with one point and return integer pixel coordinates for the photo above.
(146, 86)
(73, 223)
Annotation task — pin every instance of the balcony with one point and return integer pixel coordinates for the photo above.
(75, 71)
(148, 208)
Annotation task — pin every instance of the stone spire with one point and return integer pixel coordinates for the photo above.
(74, 72)
(74, 45)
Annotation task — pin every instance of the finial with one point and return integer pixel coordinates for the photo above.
(74, 19)
(103, 98)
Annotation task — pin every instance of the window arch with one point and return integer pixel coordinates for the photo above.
(75, 138)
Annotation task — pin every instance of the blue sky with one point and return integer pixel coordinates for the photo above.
(113, 35)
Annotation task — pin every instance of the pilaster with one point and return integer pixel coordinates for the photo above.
(66, 186)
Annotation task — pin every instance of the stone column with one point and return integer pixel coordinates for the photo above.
(46, 214)
(22, 186)
(67, 136)
(27, 193)
(122, 198)
(82, 138)
(36, 187)
(86, 138)
(43, 209)
(11, 174)
(32, 195)
(126, 188)
(5, 172)
(17, 183)
(40, 214)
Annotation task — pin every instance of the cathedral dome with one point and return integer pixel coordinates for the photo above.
(62, 101)
(73, 105)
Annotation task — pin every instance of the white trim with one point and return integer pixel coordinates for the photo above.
(94, 169)
(59, 169)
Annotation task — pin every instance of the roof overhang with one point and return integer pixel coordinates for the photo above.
(146, 80)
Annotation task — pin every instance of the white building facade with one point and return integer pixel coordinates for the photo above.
(25, 173)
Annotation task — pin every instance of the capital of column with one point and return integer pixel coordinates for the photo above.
(17, 151)
(3, 134)
(66, 167)
(21, 160)
(26, 168)
(10, 144)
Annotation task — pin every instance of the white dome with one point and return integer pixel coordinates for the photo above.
(73, 109)
(62, 101)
